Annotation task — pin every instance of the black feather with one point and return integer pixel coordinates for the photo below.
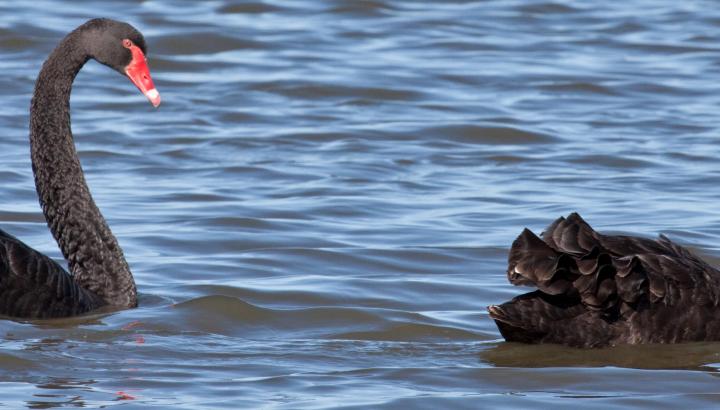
(31, 284)
(597, 290)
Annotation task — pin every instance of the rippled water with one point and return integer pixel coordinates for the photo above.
(319, 213)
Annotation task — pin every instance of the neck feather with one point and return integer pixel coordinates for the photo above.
(93, 254)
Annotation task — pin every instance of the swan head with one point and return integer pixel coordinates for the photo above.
(121, 47)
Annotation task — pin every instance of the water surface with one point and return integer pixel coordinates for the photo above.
(319, 213)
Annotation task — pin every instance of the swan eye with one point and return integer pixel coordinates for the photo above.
(127, 43)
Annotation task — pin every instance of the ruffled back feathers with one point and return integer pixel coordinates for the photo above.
(597, 290)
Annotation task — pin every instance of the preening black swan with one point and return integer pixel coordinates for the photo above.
(31, 284)
(595, 290)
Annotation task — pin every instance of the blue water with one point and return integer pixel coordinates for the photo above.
(319, 212)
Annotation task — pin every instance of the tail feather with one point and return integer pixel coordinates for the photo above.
(531, 260)
(594, 289)
(571, 235)
(540, 318)
(577, 278)
(570, 261)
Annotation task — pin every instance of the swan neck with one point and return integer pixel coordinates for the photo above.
(93, 254)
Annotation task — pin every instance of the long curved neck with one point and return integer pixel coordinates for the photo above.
(93, 254)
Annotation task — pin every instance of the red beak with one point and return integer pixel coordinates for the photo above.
(139, 74)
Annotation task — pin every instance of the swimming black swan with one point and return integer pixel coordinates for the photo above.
(31, 284)
(596, 290)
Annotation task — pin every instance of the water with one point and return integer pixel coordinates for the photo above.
(319, 213)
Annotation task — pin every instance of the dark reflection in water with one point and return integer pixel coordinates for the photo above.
(320, 210)
(55, 398)
(691, 356)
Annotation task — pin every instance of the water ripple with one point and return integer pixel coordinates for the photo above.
(319, 213)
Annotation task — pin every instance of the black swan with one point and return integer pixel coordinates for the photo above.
(31, 284)
(597, 290)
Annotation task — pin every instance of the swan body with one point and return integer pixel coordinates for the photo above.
(31, 284)
(597, 290)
